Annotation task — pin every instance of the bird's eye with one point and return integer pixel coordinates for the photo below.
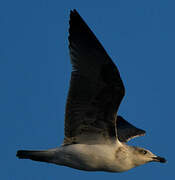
(143, 151)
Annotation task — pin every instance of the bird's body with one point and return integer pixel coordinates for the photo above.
(95, 136)
(95, 157)
(98, 157)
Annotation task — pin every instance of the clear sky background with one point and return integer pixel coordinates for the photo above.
(139, 35)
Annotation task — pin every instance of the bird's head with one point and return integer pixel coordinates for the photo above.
(142, 156)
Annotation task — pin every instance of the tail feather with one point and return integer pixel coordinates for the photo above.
(45, 156)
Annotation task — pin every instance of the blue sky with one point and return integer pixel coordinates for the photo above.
(35, 71)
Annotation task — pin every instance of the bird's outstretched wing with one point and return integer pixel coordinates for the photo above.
(96, 89)
(127, 131)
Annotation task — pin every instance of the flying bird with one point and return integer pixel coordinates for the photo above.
(95, 135)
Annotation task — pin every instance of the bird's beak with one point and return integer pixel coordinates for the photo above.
(159, 159)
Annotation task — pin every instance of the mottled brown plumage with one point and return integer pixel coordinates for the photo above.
(96, 89)
(94, 135)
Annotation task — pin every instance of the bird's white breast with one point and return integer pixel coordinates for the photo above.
(98, 157)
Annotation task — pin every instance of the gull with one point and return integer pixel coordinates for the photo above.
(95, 135)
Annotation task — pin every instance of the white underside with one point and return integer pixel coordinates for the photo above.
(98, 157)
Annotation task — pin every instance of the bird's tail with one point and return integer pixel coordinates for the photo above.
(44, 156)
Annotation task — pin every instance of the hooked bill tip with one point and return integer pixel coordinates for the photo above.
(159, 159)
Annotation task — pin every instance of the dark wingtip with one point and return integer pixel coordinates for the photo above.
(127, 131)
(73, 12)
